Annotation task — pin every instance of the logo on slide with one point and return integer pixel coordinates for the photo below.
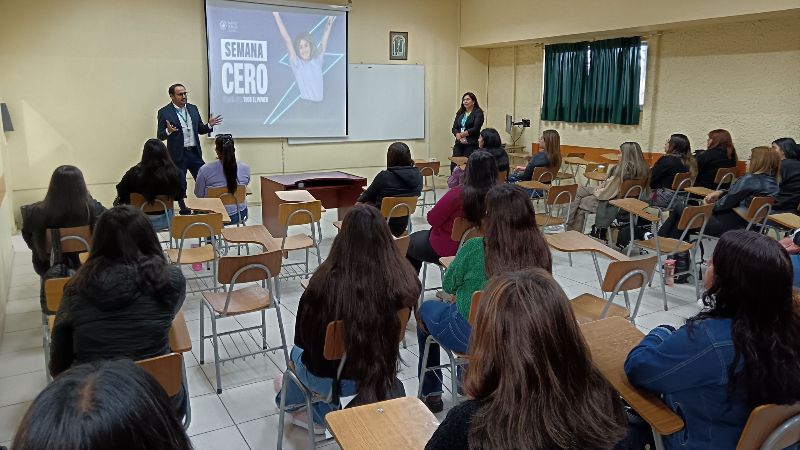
(229, 26)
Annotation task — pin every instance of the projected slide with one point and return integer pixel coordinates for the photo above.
(277, 71)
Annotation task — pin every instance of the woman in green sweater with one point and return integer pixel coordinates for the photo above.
(512, 242)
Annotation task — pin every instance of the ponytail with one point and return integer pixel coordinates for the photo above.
(227, 154)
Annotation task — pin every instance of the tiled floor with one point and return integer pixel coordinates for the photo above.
(244, 415)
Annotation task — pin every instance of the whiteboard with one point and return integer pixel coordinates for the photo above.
(384, 102)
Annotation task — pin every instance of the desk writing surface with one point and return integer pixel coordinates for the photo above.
(251, 234)
(291, 179)
(575, 160)
(610, 340)
(635, 207)
(297, 195)
(213, 205)
(574, 241)
(179, 339)
(788, 220)
(401, 423)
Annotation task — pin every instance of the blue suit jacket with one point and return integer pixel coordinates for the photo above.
(175, 140)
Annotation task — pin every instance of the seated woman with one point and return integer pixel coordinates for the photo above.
(788, 197)
(121, 302)
(549, 156)
(531, 382)
(677, 159)
(155, 174)
(95, 406)
(462, 201)
(400, 179)
(631, 167)
(739, 353)
(720, 153)
(760, 180)
(66, 204)
(224, 172)
(358, 263)
(488, 140)
(512, 242)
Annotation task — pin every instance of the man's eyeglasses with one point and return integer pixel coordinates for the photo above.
(182, 94)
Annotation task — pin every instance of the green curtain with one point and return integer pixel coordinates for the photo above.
(564, 79)
(606, 92)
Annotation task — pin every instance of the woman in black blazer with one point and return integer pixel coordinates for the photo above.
(467, 126)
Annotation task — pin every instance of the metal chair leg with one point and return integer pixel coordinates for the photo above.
(424, 366)
(216, 351)
(202, 334)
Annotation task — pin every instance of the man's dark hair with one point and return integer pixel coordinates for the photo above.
(172, 88)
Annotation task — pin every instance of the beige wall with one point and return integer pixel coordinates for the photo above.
(87, 78)
(487, 23)
(6, 228)
(740, 76)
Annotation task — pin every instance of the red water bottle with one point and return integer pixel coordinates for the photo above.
(669, 272)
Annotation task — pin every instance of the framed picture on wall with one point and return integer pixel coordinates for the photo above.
(398, 45)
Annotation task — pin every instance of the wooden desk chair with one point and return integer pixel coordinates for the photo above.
(228, 199)
(462, 230)
(72, 240)
(595, 172)
(53, 293)
(333, 350)
(302, 213)
(771, 427)
(455, 359)
(170, 373)
(573, 168)
(401, 244)
(693, 218)
(204, 227)
(725, 175)
(757, 213)
(621, 276)
(429, 171)
(557, 196)
(233, 270)
(162, 205)
(541, 176)
(399, 207)
(784, 221)
(632, 188)
(612, 157)
(680, 182)
(575, 241)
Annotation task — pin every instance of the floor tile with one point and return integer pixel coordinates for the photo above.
(208, 414)
(21, 340)
(263, 433)
(250, 401)
(10, 416)
(226, 438)
(23, 361)
(23, 305)
(23, 321)
(21, 388)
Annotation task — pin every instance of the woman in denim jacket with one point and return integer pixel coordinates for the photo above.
(739, 353)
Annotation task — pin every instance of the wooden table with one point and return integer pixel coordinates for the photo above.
(698, 190)
(610, 340)
(334, 189)
(574, 241)
(252, 234)
(533, 184)
(213, 205)
(788, 220)
(611, 156)
(401, 423)
(460, 161)
(575, 160)
(596, 176)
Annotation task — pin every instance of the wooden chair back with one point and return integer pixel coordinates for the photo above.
(473, 307)
(542, 175)
(401, 244)
(138, 201)
(334, 348)
(212, 227)
(393, 206)
(54, 292)
(681, 181)
(502, 176)
(632, 188)
(763, 420)
(689, 214)
(73, 239)
(300, 213)
(561, 195)
(463, 229)
(167, 370)
(229, 265)
(759, 208)
(227, 198)
(618, 270)
(725, 173)
(428, 168)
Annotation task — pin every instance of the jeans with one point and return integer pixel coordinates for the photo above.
(448, 327)
(294, 395)
(235, 217)
(161, 221)
(796, 269)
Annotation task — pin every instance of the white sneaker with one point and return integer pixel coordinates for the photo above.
(300, 419)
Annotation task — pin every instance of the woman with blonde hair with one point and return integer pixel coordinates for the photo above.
(631, 167)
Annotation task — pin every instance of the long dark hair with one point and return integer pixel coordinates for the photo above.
(111, 404)
(752, 286)
(512, 241)
(491, 138)
(679, 146)
(398, 155)
(552, 146)
(124, 235)
(722, 139)
(67, 202)
(788, 146)
(157, 170)
(363, 282)
(480, 176)
(462, 109)
(227, 155)
(532, 374)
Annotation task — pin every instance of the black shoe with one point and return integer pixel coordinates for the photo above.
(185, 212)
(434, 403)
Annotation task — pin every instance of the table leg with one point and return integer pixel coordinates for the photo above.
(659, 440)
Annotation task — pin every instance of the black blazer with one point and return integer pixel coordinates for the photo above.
(175, 140)
(473, 125)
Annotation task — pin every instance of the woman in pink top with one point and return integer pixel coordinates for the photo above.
(463, 201)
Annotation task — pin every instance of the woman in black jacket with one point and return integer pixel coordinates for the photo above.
(400, 179)
(66, 204)
(121, 302)
(154, 175)
(677, 159)
(720, 153)
(789, 196)
(467, 126)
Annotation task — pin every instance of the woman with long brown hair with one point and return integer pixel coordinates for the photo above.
(531, 382)
(719, 153)
(677, 159)
(363, 282)
(549, 156)
(512, 242)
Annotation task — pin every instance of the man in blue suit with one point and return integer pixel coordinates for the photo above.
(180, 124)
